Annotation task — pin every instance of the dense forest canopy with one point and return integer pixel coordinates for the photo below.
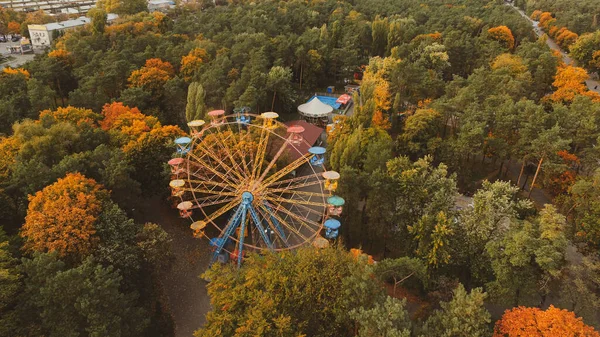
(456, 97)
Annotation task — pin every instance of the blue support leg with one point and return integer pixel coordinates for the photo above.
(231, 226)
(242, 229)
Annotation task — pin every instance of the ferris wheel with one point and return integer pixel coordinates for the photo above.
(257, 182)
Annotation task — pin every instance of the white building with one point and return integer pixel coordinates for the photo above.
(160, 5)
(42, 35)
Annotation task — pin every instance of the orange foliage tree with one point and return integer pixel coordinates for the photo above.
(126, 124)
(565, 38)
(116, 113)
(381, 121)
(14, 27)
(533, 322)
(153, 75)
(546, 19)
(536, 15)
(62, 216)
(561, 181)
(569, 82)
(504, 35)
(191, 62)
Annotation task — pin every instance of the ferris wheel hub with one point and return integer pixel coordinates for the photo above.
(247, 197)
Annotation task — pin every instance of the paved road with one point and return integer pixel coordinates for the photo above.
(593, 85)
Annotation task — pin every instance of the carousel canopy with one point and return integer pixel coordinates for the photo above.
(315, 108)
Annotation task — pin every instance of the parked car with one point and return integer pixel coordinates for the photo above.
(3, 38)
(15, 38)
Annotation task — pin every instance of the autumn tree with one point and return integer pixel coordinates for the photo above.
(464, 316)
(504, 35)
(379, 30)
(494, 204)
(387, 319)
(153, 75)
(262, 295)
(522, 321)
(586, 50)
(528, 257)
(421, 132)
(147, 154)
(14, 27)
(98, 17)
(569, 82)
(116, 115)
(62, 217)
(412, 202)
(546, 19)
(578, 289)
(191, 63)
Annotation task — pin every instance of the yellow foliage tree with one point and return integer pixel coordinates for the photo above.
(15, 71)
(9, 147)
(569, 82)
(62, 217)
(70, 114)
(513, 63)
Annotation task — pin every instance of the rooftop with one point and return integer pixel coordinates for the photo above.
(311, 134)
(80, 21)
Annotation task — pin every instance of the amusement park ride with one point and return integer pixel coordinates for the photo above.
(234, 173)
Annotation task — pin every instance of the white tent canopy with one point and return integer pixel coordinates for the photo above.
(315, 108)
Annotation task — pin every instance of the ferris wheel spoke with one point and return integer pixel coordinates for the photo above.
(308, 209)
(296, 209)
(301, 179)
(237, 150)
(299, 200)
(286, 225)
(199, 190)
(260, 152)
(286, 170)
(291, 188)
(213, 170)
(221, 142)
(299, 194)
(216, 158)
(211, 201)
(212, 183)
(273, 225)
(304, 228)
(223, 210)
(272, 162)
